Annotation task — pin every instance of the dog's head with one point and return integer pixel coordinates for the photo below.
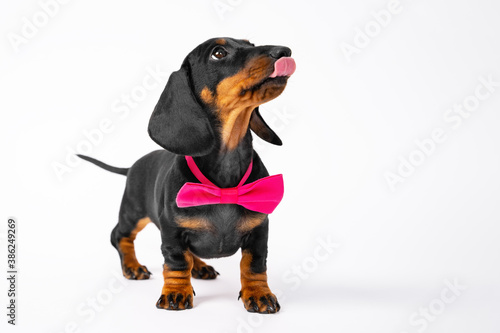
(215, 96)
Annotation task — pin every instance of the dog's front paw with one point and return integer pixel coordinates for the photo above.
(260, 300)
(177, 298)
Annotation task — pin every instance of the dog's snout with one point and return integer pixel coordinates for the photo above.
(280, 51)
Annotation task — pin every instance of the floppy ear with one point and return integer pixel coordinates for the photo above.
(179, 123)
(259, 126)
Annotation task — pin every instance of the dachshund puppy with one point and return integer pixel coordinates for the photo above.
(208, 192)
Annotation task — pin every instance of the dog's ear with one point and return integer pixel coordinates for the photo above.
(259, 126)
(178, 123)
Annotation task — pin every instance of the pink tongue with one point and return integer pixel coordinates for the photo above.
(284, 66)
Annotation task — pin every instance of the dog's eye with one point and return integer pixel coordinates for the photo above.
(219, 53)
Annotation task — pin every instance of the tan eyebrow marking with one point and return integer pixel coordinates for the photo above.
(207, 96)
(247, 223)
(194, 223)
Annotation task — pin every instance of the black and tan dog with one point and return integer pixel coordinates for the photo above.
(206, 111)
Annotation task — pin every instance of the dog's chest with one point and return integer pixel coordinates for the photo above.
(219, 231)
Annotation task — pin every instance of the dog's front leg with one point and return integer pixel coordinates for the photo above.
(255, 292)
(177, 292)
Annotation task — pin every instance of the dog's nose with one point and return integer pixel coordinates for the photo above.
(280, 51)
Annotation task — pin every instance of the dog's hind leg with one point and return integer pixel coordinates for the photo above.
(122, 238)
(201, 270)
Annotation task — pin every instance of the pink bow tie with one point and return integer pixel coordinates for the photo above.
(262, 195)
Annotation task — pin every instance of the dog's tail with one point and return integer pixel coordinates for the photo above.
(121, 171)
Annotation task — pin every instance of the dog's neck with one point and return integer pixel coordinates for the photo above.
(226, 167)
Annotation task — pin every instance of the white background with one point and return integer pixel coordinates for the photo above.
(344, 123)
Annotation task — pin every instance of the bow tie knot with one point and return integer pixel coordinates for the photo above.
(229, 195)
